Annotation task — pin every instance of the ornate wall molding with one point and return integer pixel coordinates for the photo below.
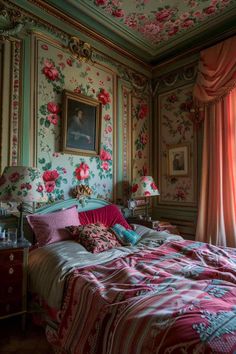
(181, 76)
(79, 49)
(11, 22)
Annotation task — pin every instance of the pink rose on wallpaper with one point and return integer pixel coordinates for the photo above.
(209, 10)
(118, 13)
(69, 62)
(105, 166)
(100, 2)
(144, 138)
(82, 171)
(53, 107)
(187, 23)
(173, 31)
(50, 186)
(172, 98)
(77, 90)
(53, 118)
(143, 111)
(105, 155)
(26, 186)
(44, 46)
(40, 188)
(108, 129)
(50, 71)
(180, 194)
(14, 177)
(107, 117)
(104, 96)
(131, 22)
(151, 28)
(163, 15)
(134, 188)
(49, 177)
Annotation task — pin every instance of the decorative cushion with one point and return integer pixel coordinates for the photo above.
(125, 237)
(108, 215)
(94, 237)
(50, 228)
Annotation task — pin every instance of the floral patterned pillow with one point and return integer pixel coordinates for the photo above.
(94, 237)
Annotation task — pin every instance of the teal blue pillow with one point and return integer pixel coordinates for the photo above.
(126, 237)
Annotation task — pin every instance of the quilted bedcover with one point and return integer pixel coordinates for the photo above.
(177, 298)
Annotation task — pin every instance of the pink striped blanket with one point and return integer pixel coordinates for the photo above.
(178, 298)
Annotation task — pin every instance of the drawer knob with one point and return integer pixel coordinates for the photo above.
(10, 290)
(11, 257)
(11, 271)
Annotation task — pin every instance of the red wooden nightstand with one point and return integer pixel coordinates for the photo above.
(13, 273)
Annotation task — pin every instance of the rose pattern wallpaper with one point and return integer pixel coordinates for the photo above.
(140, 137)
(160, 20)
(57, 70)
(176, 128)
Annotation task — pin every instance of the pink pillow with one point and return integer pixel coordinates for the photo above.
(50, 228)
(94, 237)
(108, 215)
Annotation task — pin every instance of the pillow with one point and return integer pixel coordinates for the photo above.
(50, 228)
(126, 237)
(108, 215)
(94, 237)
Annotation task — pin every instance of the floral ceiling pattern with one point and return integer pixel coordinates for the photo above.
(160, 20)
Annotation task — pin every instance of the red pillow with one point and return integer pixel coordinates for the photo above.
(108, 215)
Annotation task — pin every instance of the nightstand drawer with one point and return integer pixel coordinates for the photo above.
(10, 306)
(10, 290)
(11, 256)
(11, 271)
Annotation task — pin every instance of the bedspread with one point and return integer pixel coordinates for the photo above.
(178, 298)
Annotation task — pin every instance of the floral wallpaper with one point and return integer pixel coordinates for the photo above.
(15, 101)
(141, 137)
(176, 127)
(160, 20)
(57, 70)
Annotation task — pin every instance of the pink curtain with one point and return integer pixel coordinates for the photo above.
(215, 88)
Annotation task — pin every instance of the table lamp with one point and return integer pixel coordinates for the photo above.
(22, 184)
(144, 187)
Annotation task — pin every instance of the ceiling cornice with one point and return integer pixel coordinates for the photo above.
(52, 10)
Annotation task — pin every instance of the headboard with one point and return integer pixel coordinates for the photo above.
(88, 204)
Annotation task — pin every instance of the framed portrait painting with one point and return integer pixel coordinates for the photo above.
(81, 124)
(178, 160)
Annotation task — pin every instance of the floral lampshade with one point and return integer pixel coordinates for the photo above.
(144, 187)
(22, 184)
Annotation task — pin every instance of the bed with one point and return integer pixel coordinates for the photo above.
(162, 295)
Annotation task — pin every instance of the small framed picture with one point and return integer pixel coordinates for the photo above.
(81, 124)
(178, 157)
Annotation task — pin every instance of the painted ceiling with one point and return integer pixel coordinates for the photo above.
(153, 27)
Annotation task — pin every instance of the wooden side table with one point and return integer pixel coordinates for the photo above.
(155, 225)
(13, 273)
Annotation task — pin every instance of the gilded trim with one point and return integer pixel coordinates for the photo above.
(50, 9)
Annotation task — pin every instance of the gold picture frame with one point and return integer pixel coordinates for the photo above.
(178, 160)
(81, 124)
